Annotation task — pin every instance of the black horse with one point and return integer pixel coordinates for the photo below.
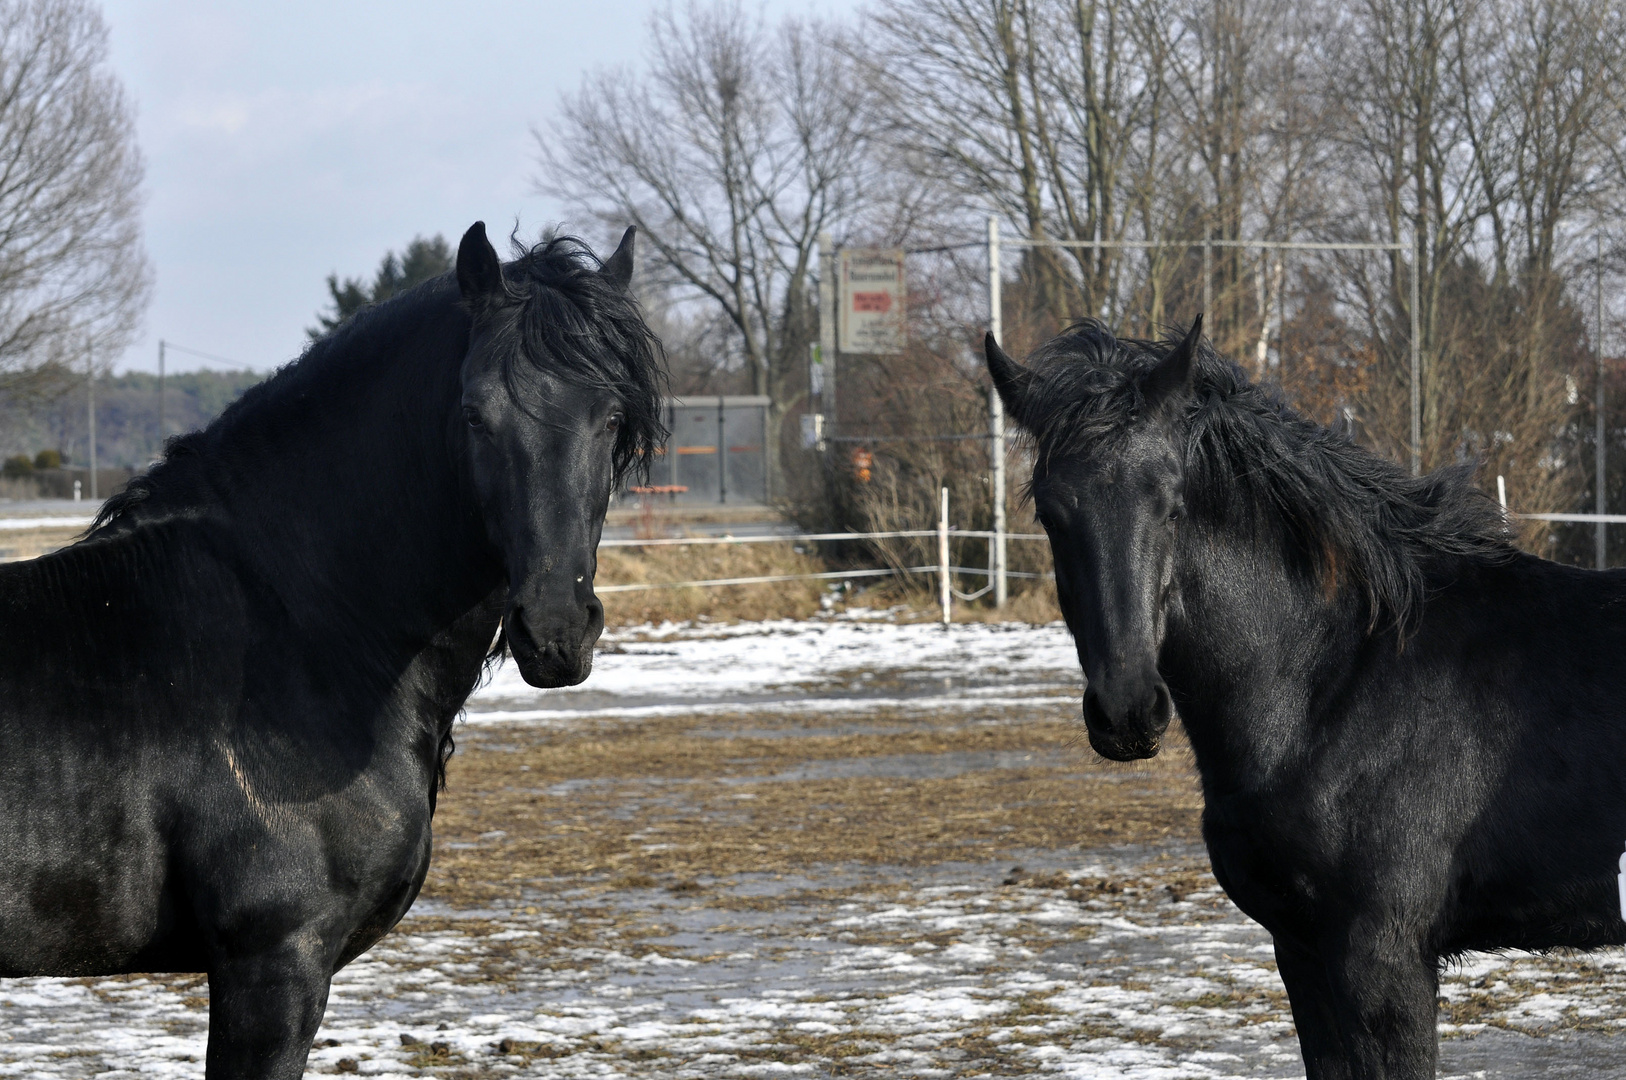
(224, 712)
(1411, 735)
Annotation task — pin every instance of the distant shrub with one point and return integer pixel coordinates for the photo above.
(48, 459)
(18, 465)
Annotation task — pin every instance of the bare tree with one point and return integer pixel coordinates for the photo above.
(736, 149)
(1249, 113)
(73, 272)
(1049, 114)
(1484, 131)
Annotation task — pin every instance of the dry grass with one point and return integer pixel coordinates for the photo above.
(16, 544)
(708, 562)
(669, 802)
(1030, 601)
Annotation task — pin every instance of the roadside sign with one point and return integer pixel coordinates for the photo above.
(872, 300)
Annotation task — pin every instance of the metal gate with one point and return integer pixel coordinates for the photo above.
(718, 450)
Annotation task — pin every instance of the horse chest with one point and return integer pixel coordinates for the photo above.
(1265, 861)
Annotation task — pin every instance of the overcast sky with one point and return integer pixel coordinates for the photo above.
(291, 140)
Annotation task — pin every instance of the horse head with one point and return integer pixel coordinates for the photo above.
(1108, 489)
(560, 397)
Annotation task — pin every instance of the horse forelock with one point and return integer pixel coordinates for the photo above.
(1353, 517)
(567, 318)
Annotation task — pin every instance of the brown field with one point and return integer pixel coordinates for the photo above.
(713, 807)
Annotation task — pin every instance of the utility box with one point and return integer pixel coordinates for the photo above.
(718, 450)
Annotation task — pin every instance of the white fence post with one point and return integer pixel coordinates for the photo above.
(1416, 357)
(996, 543)
(1600, 465)
(944, 595)
(996, 423)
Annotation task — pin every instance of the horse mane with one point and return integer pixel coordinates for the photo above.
(566, 317)
(561, 315)
(1351, 514)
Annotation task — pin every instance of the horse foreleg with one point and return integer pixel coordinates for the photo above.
(264, 1010)
(1384, 992)
(1304, 974)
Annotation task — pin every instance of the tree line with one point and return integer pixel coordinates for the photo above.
(1484, 137)
(127, 409)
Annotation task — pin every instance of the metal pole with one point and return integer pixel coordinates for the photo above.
(827, 324)
(671, 443)
(1601, 462)
(722, 455)
(996, 425)
(1208, 282)
(996, 305)
(944, 597)
(90, 398)
(1416, 358)
(160, 397)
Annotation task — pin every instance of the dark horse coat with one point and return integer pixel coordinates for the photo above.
(1411, 735)
(224, 711)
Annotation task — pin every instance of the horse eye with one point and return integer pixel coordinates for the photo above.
(471, 416)
(614, 422)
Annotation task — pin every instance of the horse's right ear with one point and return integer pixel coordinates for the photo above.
(1010, 378)
(617, 269)
(479, 273)
(1173, 376)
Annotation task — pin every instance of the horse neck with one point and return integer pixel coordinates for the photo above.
(341, 495)
(1249, 650)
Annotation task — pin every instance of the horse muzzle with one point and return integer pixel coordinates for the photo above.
(554, 653)
(1127, 726)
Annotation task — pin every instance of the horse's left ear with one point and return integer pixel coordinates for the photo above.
(1173, 376)
(617, 269)
(1010, 378)
(479, 273)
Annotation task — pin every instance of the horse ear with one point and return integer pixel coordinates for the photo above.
(1010, 378)
(479, 274)
(617, 269)
(1173, 376)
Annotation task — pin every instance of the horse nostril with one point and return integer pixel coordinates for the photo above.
(1095, 717)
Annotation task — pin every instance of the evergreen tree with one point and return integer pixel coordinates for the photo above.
(423, 259)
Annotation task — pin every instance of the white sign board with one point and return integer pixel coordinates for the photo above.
(872, 300)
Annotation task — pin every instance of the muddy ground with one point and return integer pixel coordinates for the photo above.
(848, 849)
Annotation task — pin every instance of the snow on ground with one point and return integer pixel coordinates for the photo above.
(77, 521)
(907, 983)
(857, 661)
(1100, 972)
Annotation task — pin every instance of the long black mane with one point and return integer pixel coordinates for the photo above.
(563, 314)
(1252, 459)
